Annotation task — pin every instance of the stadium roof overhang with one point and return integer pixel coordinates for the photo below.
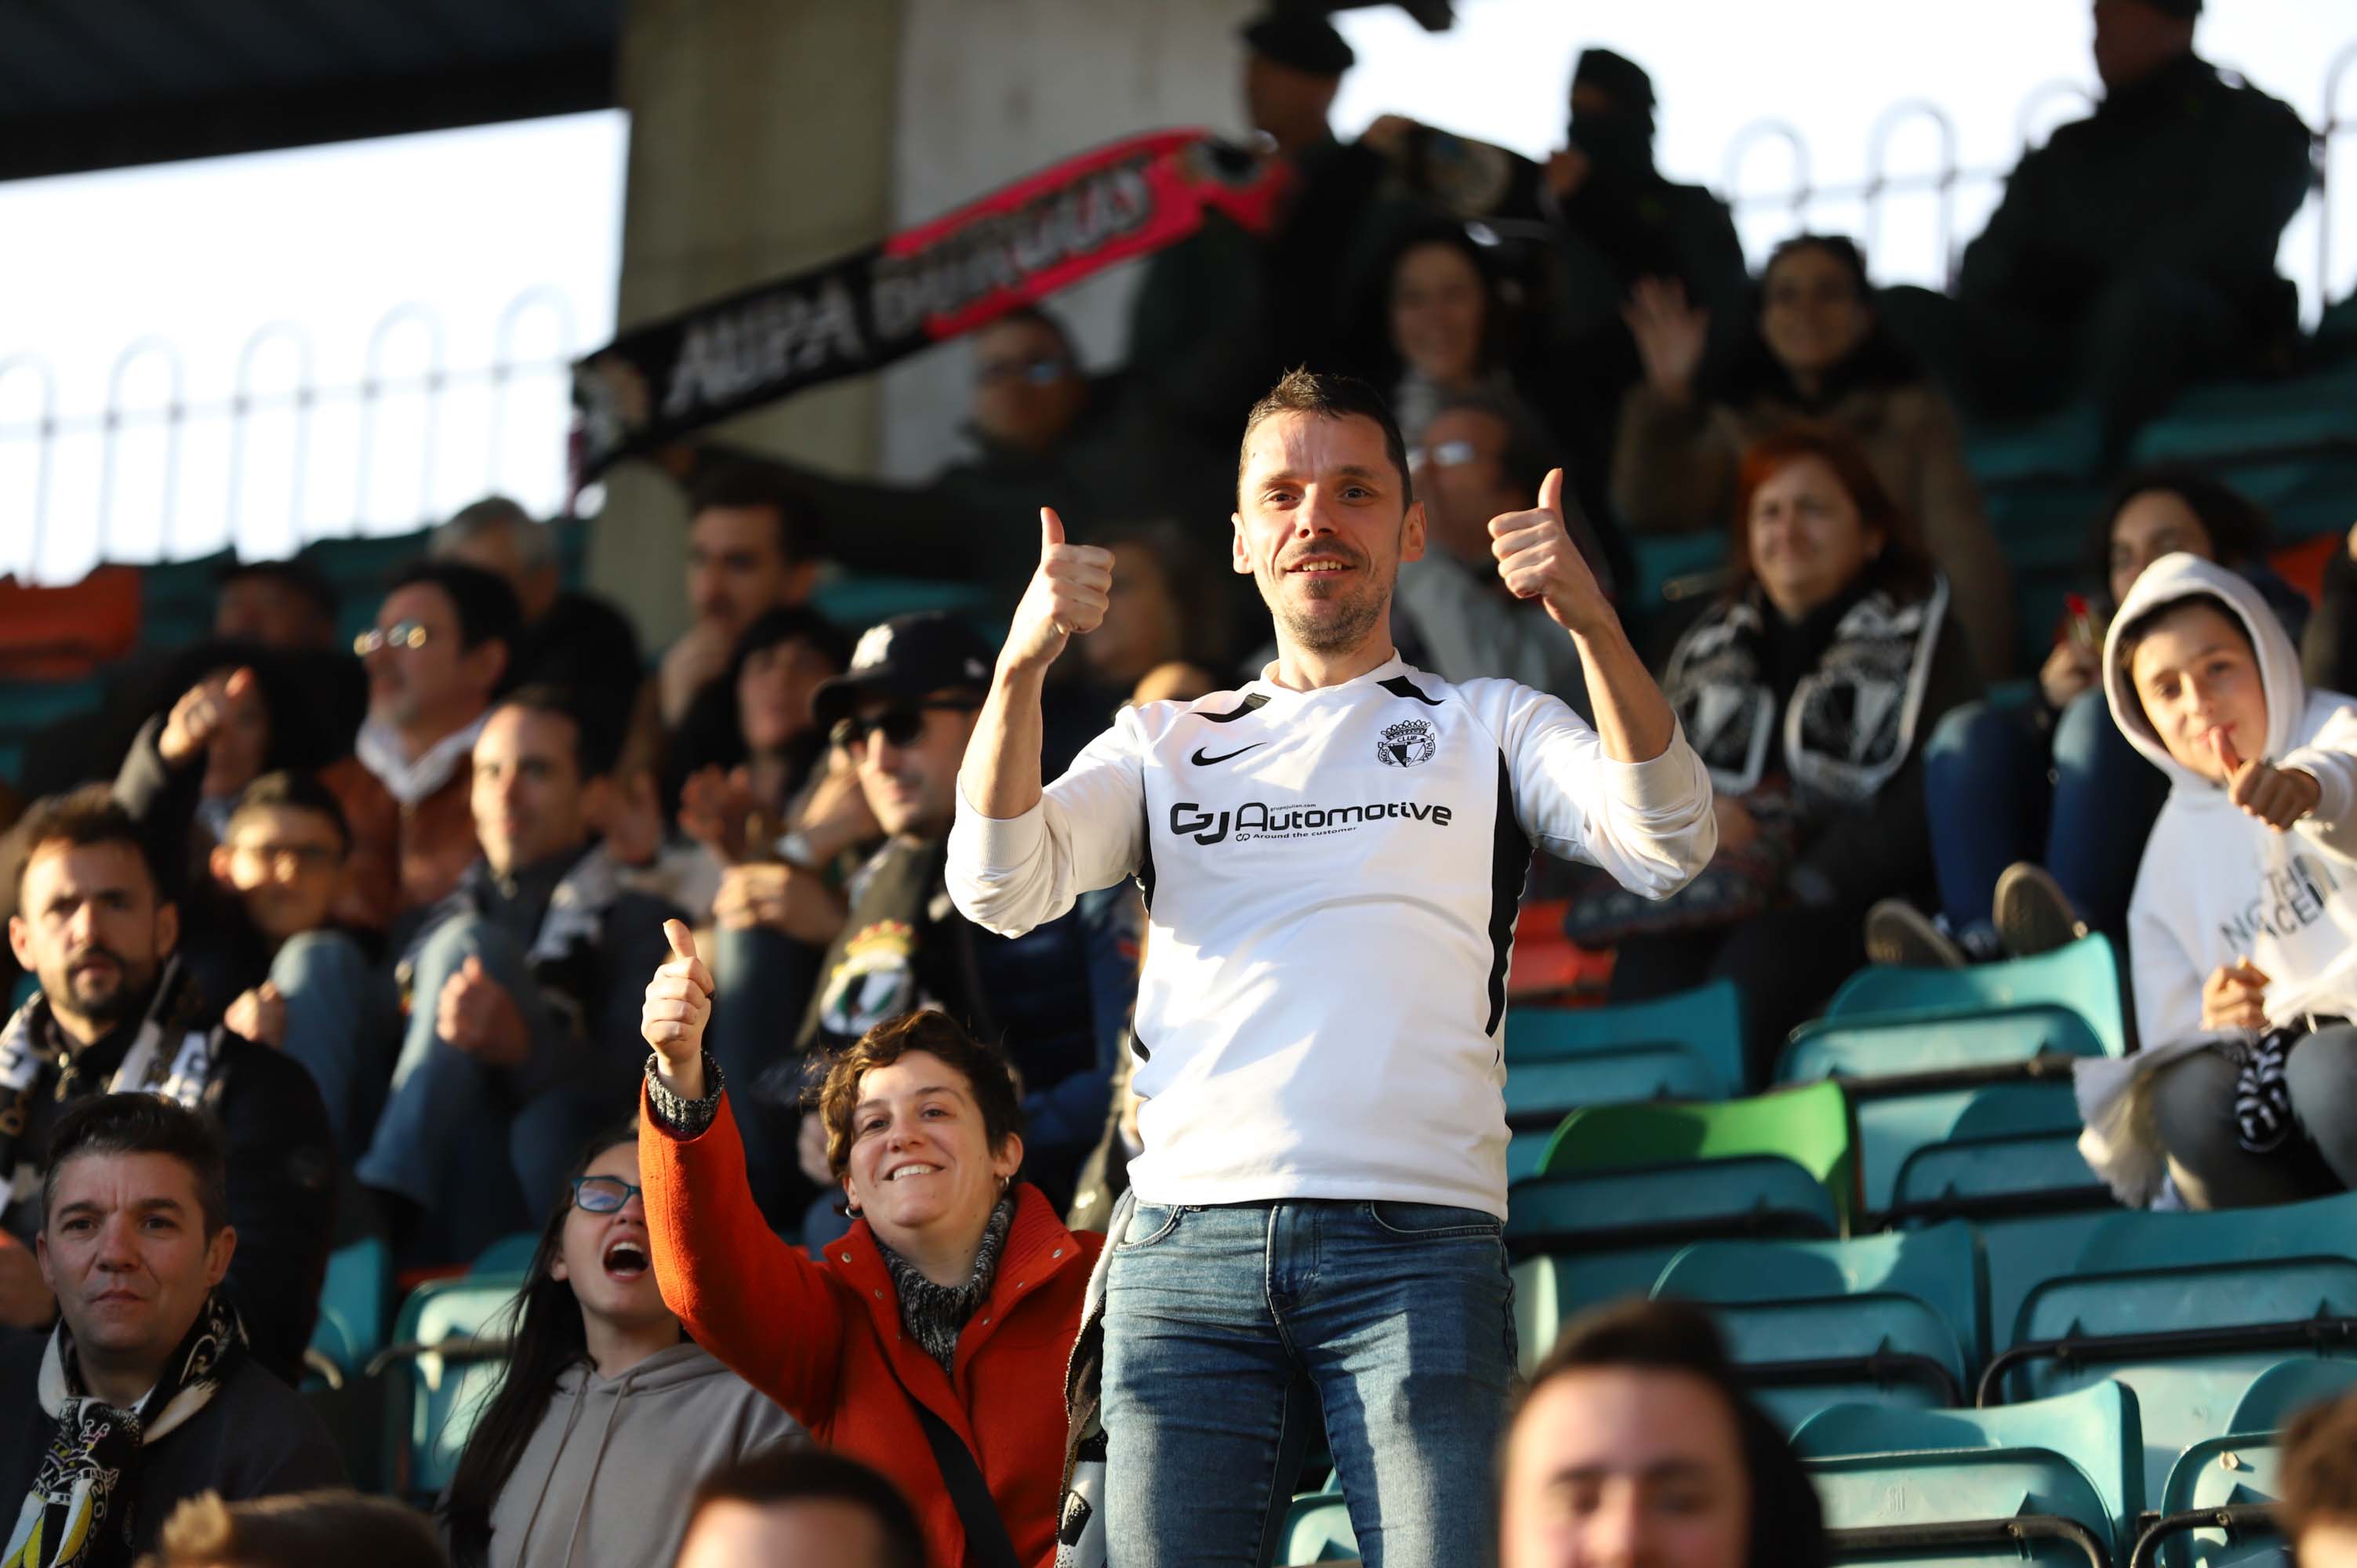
(95, 84)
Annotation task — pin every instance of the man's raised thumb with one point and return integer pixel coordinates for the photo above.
(681, 940)
(472, 969)
(1051, 530)
(1551, 492)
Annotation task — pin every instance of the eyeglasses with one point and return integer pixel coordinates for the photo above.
(1443, 454)
(1045, 372)
(400, 634)
(603, 1194)
(903, 727)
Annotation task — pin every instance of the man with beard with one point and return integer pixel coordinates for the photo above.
(115, 1013)
(1331, 857)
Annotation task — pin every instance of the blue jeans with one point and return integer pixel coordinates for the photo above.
(1230, 1331)
(343, 1021)
(483, 1149)
(1999, 791)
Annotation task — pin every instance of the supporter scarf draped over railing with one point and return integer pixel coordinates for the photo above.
(863, 311)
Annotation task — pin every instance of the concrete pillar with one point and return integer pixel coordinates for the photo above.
(761, 138)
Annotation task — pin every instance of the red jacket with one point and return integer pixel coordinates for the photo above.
(824, 1339)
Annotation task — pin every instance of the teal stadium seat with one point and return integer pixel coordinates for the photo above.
(442, 1366)
(2084, 977)
(1707, 1022)
(1318, 1529)
(2054, 1481)
(508, 1255)
(350, 1326)
(2235, 1475)
(1897, 1319)
(2188, 1309)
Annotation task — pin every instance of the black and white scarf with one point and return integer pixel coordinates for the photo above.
(85, 1503)
(1851, 720)
(166, 1056)
(934, 1315)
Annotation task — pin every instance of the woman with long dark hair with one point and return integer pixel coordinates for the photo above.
(608, 1414)
(1817, 349)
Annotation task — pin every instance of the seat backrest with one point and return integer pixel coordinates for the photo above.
(2084, 976)
(1809, 1126)
(2138, 1238)
(2011, 1109)
(1939, 1265)
(508, 1255)
(1557, 1087)
(1757, 1193)
(2011, 1168)
(2097, 1429)
(444, 1395)
(1318, 1529)
(1875, 1045)
(353, 1303)
(2287, 1387)
(1708, 1021)
(1999, 1491)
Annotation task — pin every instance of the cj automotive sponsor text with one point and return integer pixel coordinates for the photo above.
(1259, 820)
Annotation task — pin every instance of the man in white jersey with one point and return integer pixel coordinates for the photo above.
(1331, 857)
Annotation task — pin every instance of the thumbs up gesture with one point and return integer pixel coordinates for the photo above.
(2276, 795)
(678, 1005)
(1536, 560)
(1068, 595)
(475, 1015)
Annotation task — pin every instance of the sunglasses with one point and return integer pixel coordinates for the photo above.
(400, 634)
(903, 727)
(602, 1193)
(1446, 455)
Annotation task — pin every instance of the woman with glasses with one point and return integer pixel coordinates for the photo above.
(1819, 350)
(608, 1414)
(932, 1341)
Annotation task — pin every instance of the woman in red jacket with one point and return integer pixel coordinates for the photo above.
(931, 1340)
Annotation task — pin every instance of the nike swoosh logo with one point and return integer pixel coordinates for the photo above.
(1202, 760)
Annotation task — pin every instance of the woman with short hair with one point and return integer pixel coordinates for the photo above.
(931, 1339)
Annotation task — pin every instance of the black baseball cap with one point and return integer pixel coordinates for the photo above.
(1298, 39)
(908, 657)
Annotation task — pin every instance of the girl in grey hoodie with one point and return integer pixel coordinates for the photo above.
(609, 1414)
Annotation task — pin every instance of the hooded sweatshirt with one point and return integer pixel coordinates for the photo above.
(2216, 883)
(607, 1477)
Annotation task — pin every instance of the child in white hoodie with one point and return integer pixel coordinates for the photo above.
(2243, 923)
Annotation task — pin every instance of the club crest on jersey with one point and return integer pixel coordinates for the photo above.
(1407, 743)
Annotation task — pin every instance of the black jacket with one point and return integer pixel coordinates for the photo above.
(282, 1167)
(255, 1438)
(2186, 169)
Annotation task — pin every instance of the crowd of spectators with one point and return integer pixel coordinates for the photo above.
(319, 943)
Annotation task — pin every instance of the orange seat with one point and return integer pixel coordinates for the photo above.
(60, 634)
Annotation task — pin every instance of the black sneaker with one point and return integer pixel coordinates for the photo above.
(2033, 914)
(1899, 933)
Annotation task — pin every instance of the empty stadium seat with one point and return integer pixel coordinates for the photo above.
(1540, 1094)
(1898, 1319)
(2212, 1508)
(2084, 977)
(2188, 1309)
(1911, 1077)
(2056, 1480)
(1706, 1023)
(1318, 1529)
(508, 1255)
(350, 1326)
(1809, 1126)
(443, 1365)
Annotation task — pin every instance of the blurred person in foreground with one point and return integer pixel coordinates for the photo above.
(439, 651)
(565, 637)
(800, 1509)
(806, 971)
(145, 1393)
(1634, 1442)
(300, 1530)
(606, 1413)
(522, 1014)
(2135, 253)
(115, 1014)
(1332, 854)
(1818, 351)
(2319, 1505)
(931, 1339)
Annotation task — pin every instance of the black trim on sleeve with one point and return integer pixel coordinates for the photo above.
(1401, 686)
(1146, 859)
(1510, 868)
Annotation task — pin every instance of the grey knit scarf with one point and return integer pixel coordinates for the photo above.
(933, 1315)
